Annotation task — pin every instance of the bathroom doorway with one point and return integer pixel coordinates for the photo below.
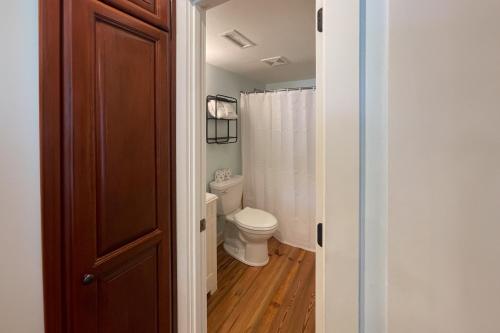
(338, 152)
(260, 174)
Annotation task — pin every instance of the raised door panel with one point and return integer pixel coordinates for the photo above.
(118, 178)
(125, 136)
(156, 12)
(126, 309)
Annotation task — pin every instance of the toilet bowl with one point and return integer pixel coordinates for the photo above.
(246, 230)
(246, 234)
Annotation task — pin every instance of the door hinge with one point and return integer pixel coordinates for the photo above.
(203, 225)
(319, 234)
(320, 20)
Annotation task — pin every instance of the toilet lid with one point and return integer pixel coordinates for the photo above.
(255, 219)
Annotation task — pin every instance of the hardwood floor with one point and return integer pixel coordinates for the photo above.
(278, 297)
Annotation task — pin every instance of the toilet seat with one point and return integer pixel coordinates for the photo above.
(255, 219)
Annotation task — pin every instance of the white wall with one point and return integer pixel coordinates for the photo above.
(444, 166)
(291, 84)
(21, 309)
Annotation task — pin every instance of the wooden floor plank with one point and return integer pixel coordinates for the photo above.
(256, 293)
(278, 297)
(221, 306)
(284, 318)
(276, 303)
(231, 275)
(263, 289)
(301, 306)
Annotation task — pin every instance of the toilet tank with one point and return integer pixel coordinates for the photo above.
(230, 193)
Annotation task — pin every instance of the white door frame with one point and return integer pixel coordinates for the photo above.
(339, 71)
(338, 167)
(190, 57)
(320, 178)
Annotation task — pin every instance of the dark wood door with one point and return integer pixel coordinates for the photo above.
(118, 161)
(156, 12)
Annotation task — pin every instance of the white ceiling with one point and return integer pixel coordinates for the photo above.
(278, 27)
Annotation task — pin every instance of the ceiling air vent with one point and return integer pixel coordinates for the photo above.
(238, 39)
(275, 61)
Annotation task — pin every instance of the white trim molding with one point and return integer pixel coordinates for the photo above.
(340, 78)
(191, 303)
(320, 177)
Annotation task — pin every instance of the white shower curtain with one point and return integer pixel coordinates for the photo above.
(278, 148)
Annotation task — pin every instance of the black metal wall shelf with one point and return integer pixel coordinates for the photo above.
(215, 126)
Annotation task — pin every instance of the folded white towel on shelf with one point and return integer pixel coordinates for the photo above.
(225, 110)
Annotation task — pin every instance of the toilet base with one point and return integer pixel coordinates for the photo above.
(238, 253)
(249, 247)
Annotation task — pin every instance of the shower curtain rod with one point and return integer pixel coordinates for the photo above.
(260, 91)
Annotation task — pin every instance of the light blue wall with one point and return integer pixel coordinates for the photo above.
(291, 84)
(220, 81)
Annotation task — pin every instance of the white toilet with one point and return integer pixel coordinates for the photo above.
(246, 230)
